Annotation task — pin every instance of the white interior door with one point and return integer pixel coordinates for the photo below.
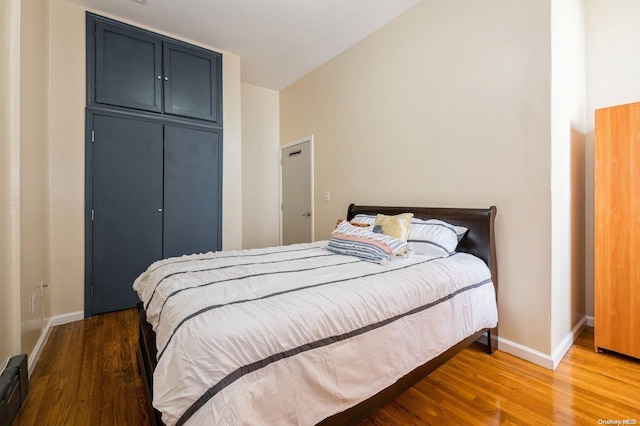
(296, 173)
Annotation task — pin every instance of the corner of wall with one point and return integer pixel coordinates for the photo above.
(34, 356)
(260, 169)
(10, 162)
(232, 153)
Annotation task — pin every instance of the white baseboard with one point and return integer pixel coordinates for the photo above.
(525, 352)
(567, 342)
(591, 321)
(66, 318)
(53, 321)
(550, 362)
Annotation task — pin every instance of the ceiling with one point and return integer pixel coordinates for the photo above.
(278, 41)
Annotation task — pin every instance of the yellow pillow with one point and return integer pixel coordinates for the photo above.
(395, 226)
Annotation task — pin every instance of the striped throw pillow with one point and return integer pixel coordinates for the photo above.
(364, 244)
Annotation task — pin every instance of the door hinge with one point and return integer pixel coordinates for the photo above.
(93, 214)
(93, 136)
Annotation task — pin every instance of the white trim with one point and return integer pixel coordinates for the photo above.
(312, 161)
(591, 321)
(66, 318)
(13, 197)
(550, 362)
(53, 321)
(567, 342)
(525, 353)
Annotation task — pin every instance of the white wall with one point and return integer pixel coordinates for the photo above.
(24, 257)
(232, 152)
(260, 185)
(34, 176)
(567, 172)
(66, 156)
(613, 78)
(9, 179)
(447, 105)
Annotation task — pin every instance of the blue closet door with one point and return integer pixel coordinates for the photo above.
(192, 82)
(127, 207)
(128, 68)
(192, 191)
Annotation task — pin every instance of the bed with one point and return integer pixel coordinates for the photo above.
(213, 347)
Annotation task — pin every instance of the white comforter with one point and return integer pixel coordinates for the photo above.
(291, 335)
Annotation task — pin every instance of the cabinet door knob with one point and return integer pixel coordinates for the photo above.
(166, 79)
(159, 77)
(160, 210)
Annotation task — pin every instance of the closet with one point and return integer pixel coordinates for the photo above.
(617, 229)
(141, 70)
(153, 156)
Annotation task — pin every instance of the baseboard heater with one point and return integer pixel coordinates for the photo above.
(14, 387)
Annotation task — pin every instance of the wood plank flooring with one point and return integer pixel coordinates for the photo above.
(88, 375)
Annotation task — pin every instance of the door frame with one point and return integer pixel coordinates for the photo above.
(311, 160)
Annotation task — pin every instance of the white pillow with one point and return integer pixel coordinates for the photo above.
(431, 237)
(434, 237)
(366, 219)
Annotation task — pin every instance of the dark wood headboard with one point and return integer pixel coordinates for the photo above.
(479, 241)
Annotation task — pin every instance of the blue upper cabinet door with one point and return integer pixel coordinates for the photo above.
(128, 69)
(192, 82)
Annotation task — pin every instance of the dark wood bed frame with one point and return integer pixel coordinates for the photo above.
(479, 241)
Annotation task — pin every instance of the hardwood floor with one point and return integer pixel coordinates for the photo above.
(473, 388)
(88, 375)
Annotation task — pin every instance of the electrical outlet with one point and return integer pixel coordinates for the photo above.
(33, 304)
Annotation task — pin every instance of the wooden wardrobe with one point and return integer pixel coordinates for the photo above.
(617, 229)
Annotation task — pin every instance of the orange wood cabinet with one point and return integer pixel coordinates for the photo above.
(617, 229)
